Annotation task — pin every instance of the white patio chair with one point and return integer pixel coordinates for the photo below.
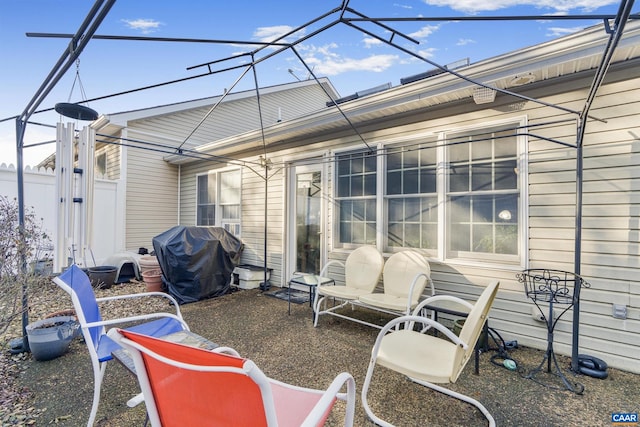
(77, 284)
(362, 270)
(429, 359)
(188, 386)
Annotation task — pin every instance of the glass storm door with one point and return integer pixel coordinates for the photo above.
(307, 224)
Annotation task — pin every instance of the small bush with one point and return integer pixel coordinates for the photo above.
(18, 251)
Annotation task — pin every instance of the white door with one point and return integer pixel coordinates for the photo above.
(306, 241)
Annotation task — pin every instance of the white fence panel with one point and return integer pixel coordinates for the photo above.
(40, 195)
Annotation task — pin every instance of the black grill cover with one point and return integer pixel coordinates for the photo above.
(197, 262)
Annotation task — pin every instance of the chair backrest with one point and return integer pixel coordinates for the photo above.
(472, 328)
(399, 272)
(363, 268)
(77, 284)
(191, 386)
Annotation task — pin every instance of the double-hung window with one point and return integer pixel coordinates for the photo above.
(356, 198)
(411, 197)
(483, 195)
(218, 200)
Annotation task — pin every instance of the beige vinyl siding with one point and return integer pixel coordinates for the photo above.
(253, 220)
(611, 229)
(610, 249)
(152, 196)
(113, 161)
(187, 199)
(235, 116)
(161, 182)
(252, 208)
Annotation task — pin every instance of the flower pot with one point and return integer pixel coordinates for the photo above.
(148, 262)
(153, 280)
(50, 338)
(102, 277)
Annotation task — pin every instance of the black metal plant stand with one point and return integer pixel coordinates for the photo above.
(553, 287)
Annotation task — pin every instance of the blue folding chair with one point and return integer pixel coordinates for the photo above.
(76, 283)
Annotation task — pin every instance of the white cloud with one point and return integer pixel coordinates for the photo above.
(560, 31)
(326, 61)
(424, 32)
(334, 66)
(427, 53)
(473, 6)
(269, 34)
(370, 42)
(326, 50)
(145, 26)
(464, 42)
(403, 6)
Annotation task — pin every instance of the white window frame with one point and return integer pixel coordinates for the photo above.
(426, 139)
(233, 225)
(479, 257)
(365, 198)
(442, 253)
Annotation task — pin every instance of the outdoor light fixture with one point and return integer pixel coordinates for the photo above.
(483, 95)
(265, 163)
(76, 111)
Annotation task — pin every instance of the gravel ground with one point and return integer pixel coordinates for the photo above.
(289, 348)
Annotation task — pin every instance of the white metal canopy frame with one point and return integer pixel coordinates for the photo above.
(614, 27)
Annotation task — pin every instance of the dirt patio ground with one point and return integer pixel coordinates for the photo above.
(289, 348)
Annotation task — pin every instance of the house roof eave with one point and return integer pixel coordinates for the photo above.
(548, 61)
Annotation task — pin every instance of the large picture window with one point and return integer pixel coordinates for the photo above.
(452, 196)
(218, 200)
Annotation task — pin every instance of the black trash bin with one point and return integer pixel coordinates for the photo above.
(197, 262)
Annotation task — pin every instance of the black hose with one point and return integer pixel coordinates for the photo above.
(502, 355)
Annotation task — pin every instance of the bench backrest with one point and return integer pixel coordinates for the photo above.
(401, 270)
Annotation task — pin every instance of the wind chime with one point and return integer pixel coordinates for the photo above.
(74, 181)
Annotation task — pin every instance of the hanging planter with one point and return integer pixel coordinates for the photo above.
(50, 338)
(153, 280)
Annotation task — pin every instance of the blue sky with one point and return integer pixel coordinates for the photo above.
(351, 59)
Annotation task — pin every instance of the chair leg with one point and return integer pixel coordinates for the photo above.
(459, 396)
(381, 422)
(316, 309)
(98, 374)
(135, 400)
(365, 402)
